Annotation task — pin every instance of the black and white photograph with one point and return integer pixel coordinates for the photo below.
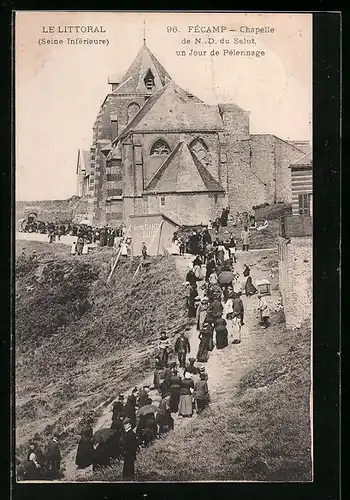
(164, 247)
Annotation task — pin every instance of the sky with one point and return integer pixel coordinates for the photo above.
(60, 88)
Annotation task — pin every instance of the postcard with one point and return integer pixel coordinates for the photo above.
(164, 288)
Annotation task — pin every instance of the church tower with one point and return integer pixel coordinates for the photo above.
(144, 77)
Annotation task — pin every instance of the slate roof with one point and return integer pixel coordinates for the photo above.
(172, 109)
(182, 172)
(133, 80)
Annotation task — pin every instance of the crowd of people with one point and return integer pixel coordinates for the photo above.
(182, 385)
(104, 236)
(199, 241)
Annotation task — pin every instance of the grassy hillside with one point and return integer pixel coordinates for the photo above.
(79, 341)
(257, 428)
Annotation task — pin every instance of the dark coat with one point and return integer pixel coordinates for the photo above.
(143, 398)
(186, 385)
(182, 344)
(129, 445)
(102, 456)
(118, 409)
(201, 390)
(53, 453)
(175, 381)
(130, 407)
(85, 453)
(216, 308)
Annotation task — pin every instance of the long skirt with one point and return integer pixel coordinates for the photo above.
(201, 404)
(203, 349)
(185, 405)
(221, 337)
(174, 399)
(85, 454)
(129, 468)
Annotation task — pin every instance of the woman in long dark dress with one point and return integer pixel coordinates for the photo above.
(186, 389)
(85, 452)
(221, 336)
(206, 343)
(175, 382)
(191, 301)
(101, 456)
(249, 287)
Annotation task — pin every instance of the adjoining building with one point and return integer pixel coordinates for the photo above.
(295, 247)
(301, 174)
(83, 172)
(158, 148)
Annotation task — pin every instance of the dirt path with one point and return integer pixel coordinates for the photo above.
(218, 363)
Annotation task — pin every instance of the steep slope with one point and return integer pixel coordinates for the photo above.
(257, 427)
(80, 341)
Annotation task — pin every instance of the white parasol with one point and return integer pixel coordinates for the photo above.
(86, 222)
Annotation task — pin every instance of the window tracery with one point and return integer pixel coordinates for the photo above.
(160, 147)
(200, 149)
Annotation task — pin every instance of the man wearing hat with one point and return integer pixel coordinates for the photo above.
(129, 449)
(53, 455)
(182, 348)
(118, 408)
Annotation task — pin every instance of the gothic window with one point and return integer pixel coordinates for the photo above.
(160, 147)
(133, 108)
(200, 149)
(162, 201)
(149, 80)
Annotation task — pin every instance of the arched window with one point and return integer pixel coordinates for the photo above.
(200, 149)
(133, 108)
(160, 147)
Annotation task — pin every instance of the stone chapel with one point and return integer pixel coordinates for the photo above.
(157, 148)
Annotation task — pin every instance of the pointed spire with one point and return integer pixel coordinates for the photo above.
(144, 32)
(134, 79)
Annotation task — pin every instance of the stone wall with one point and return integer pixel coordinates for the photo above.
(295, 279)
(245, 189)
(188, 209)
(53, 210)
(263, 163)
(286, 154)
